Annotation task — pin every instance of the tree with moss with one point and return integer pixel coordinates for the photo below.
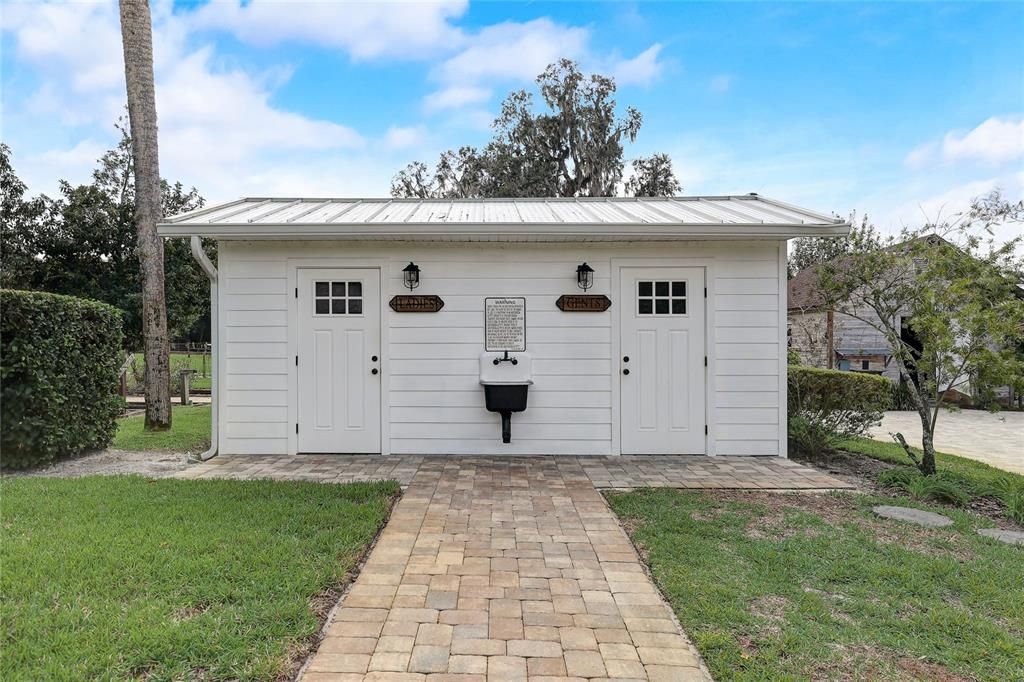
(572, 148)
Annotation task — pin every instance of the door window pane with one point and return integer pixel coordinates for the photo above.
(661, 298)
(337, 298)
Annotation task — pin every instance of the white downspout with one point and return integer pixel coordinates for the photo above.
(204, 262)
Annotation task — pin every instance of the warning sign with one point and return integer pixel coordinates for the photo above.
(505, 324)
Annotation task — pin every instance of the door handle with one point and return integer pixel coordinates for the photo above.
(374, 370)
(625, 371)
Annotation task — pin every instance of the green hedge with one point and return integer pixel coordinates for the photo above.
(59, 363)
(827, 406)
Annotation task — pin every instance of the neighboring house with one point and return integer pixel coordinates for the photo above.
(677, 345)
(832, 340)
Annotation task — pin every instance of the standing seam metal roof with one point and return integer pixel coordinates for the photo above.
(707, 210)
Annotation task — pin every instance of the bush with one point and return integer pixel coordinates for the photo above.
(59, 371)
(828, 406)
(949, 489)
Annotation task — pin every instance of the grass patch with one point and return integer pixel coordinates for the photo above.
(131, 578)
(190, 431)
(179, 361)
(797, 587)
(958, 480)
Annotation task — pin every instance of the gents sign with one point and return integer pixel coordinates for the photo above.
(583, 303)
(416, 304)
(505, 324)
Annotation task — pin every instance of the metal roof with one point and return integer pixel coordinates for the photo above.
(623, 216)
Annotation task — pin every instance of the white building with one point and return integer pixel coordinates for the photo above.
(315, 354)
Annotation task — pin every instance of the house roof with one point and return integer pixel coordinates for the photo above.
(805, 290)
(540, 219)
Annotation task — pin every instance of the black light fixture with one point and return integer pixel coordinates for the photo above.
(585, 276)
(411, 275)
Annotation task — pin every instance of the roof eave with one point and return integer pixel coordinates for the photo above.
(495, 231)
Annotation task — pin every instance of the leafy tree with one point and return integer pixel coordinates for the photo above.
(653, 177)
(82, 243)
(809, 251)
(574, 147)
(948, 301)
(19, 219)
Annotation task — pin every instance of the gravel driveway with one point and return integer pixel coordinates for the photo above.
(992, 438)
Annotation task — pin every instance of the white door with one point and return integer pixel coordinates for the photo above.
(661, 368)
(339, 360)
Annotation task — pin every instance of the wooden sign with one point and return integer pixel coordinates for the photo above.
(505, 324)
(416, 304)
(583, 303)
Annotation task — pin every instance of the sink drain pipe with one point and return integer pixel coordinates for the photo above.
(204, 262)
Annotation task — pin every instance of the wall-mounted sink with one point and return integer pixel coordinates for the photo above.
(506, 381)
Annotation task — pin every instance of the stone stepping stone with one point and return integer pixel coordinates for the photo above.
(1010, 537)
(921, 518)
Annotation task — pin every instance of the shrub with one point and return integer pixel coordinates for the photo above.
(941, 487)
(827, 406)
(938, 489)
(59, 372)
(1014, 502)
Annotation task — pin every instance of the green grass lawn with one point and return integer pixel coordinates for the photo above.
(132, 578)
(800, 587)
(179, 361)
(190, 431)
(974, 479)
(978, 472)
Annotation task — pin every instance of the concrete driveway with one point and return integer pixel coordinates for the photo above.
(996, 439)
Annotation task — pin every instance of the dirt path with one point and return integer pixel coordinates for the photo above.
(155, 464)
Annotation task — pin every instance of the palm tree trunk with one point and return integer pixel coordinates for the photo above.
(137, 39)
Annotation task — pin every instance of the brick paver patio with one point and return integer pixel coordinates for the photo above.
(765, 473)
(505, 569)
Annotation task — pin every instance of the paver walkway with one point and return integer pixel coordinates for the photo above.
(505, 569)
(768, 473)
(995, 438)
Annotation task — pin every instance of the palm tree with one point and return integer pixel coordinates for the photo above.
(137, 39)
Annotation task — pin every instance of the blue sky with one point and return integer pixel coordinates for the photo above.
(895, 109)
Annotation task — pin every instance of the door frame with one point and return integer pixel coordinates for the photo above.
(617, 265)
(293, 266)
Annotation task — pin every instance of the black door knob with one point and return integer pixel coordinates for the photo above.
(625, 358)
(373, 371)
(625, 371)
(374, 358)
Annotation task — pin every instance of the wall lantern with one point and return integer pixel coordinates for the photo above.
(585, 276)
(411, 275)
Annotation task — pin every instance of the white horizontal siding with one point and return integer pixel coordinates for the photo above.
(432, 397)
(745, 403)
(254, 348)
(436, 356)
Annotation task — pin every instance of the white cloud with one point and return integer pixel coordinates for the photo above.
(365, 30)
(995, 141)
(455, 97)
(943, 204)
(218, 125)
(513, 51)
(398, 137)
(721, 83)
(642, 69)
